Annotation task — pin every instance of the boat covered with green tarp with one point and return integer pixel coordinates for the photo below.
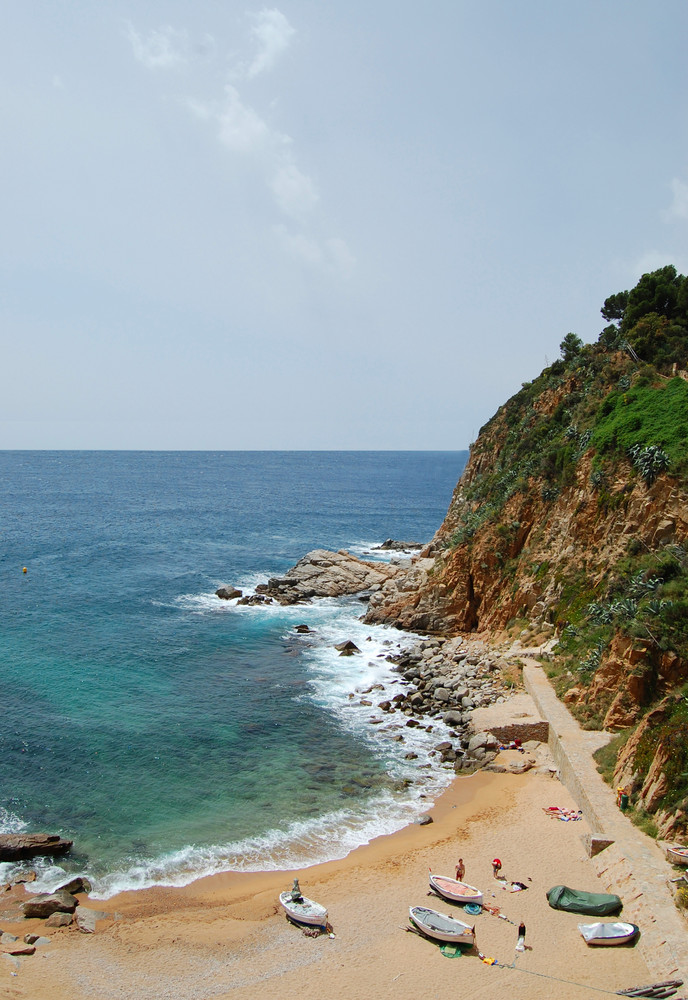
(598, 904)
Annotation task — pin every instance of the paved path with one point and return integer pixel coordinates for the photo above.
(634, 866)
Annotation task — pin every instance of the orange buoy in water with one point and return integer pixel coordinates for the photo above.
(25, 570)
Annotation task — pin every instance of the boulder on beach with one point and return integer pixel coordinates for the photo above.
(77, 884)
(47, 903)
(87, 920)
(15, 947)
(17, 846)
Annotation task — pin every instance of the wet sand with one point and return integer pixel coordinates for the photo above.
(227, 936)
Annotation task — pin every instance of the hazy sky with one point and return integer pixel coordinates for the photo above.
(321, 224)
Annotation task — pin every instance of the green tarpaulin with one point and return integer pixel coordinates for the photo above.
(598, 904)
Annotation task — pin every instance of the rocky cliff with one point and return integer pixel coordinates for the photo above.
(571, 521)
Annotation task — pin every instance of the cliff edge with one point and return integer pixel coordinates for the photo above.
(571, 521)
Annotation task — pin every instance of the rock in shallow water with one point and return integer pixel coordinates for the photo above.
(16, 846)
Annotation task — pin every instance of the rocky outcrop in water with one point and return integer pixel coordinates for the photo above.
(326, 574)
(228, 593)
(390, 545)
(19, 846)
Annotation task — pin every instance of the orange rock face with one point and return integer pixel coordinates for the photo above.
(486, 572)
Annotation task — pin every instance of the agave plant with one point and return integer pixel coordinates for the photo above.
(592, 660)
(638, 586)
(655, 607)
(626, 607)
(600, 614)
(584, 441)
(649, 461)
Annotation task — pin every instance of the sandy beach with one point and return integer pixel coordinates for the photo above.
(226, 936)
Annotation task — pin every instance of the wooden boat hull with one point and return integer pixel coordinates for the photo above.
(608, 934)
(304, 912)
(455, 891)
(441, 927)
(677, 855)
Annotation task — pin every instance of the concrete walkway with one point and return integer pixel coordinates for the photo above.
(633, 866)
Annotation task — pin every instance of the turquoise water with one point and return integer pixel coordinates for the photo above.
(169, 733)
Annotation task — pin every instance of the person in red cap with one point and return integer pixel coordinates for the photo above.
(496, 867)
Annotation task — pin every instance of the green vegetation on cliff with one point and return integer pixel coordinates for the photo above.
(576, 497)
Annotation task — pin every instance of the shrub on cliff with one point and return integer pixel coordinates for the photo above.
(650, 416)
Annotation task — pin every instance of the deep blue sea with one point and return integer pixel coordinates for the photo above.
(171, 734)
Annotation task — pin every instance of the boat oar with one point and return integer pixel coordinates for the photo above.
(650, 991)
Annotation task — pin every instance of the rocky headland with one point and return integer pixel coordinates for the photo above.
(569, 530)
(319, 573)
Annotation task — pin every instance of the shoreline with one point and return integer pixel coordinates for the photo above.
(431, 771)
(225, 935)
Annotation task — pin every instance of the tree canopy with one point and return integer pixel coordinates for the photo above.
(570, 347)
(652, 318)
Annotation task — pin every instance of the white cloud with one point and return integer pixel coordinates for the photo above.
(679, 207)
(332, 255)
(241, 129)
(341, 257)
(293, 191)
(274, 33)
(165, 48)
(300, 245)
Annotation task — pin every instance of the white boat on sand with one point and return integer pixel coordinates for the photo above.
(609, 933)
(441, 927)
(455, 891)
(677, 855)
(303, 910)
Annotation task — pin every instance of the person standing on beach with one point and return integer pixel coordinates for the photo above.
(496, 867)
(521, 943)
(460, 870)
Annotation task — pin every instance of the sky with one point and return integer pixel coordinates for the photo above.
(321, 225)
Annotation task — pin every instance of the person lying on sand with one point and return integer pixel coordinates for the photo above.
(563, 814)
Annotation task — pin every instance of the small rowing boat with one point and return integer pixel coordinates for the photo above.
(455, 891)
(613, 932)
(302, 910)
(677, 855)
(441, 927)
